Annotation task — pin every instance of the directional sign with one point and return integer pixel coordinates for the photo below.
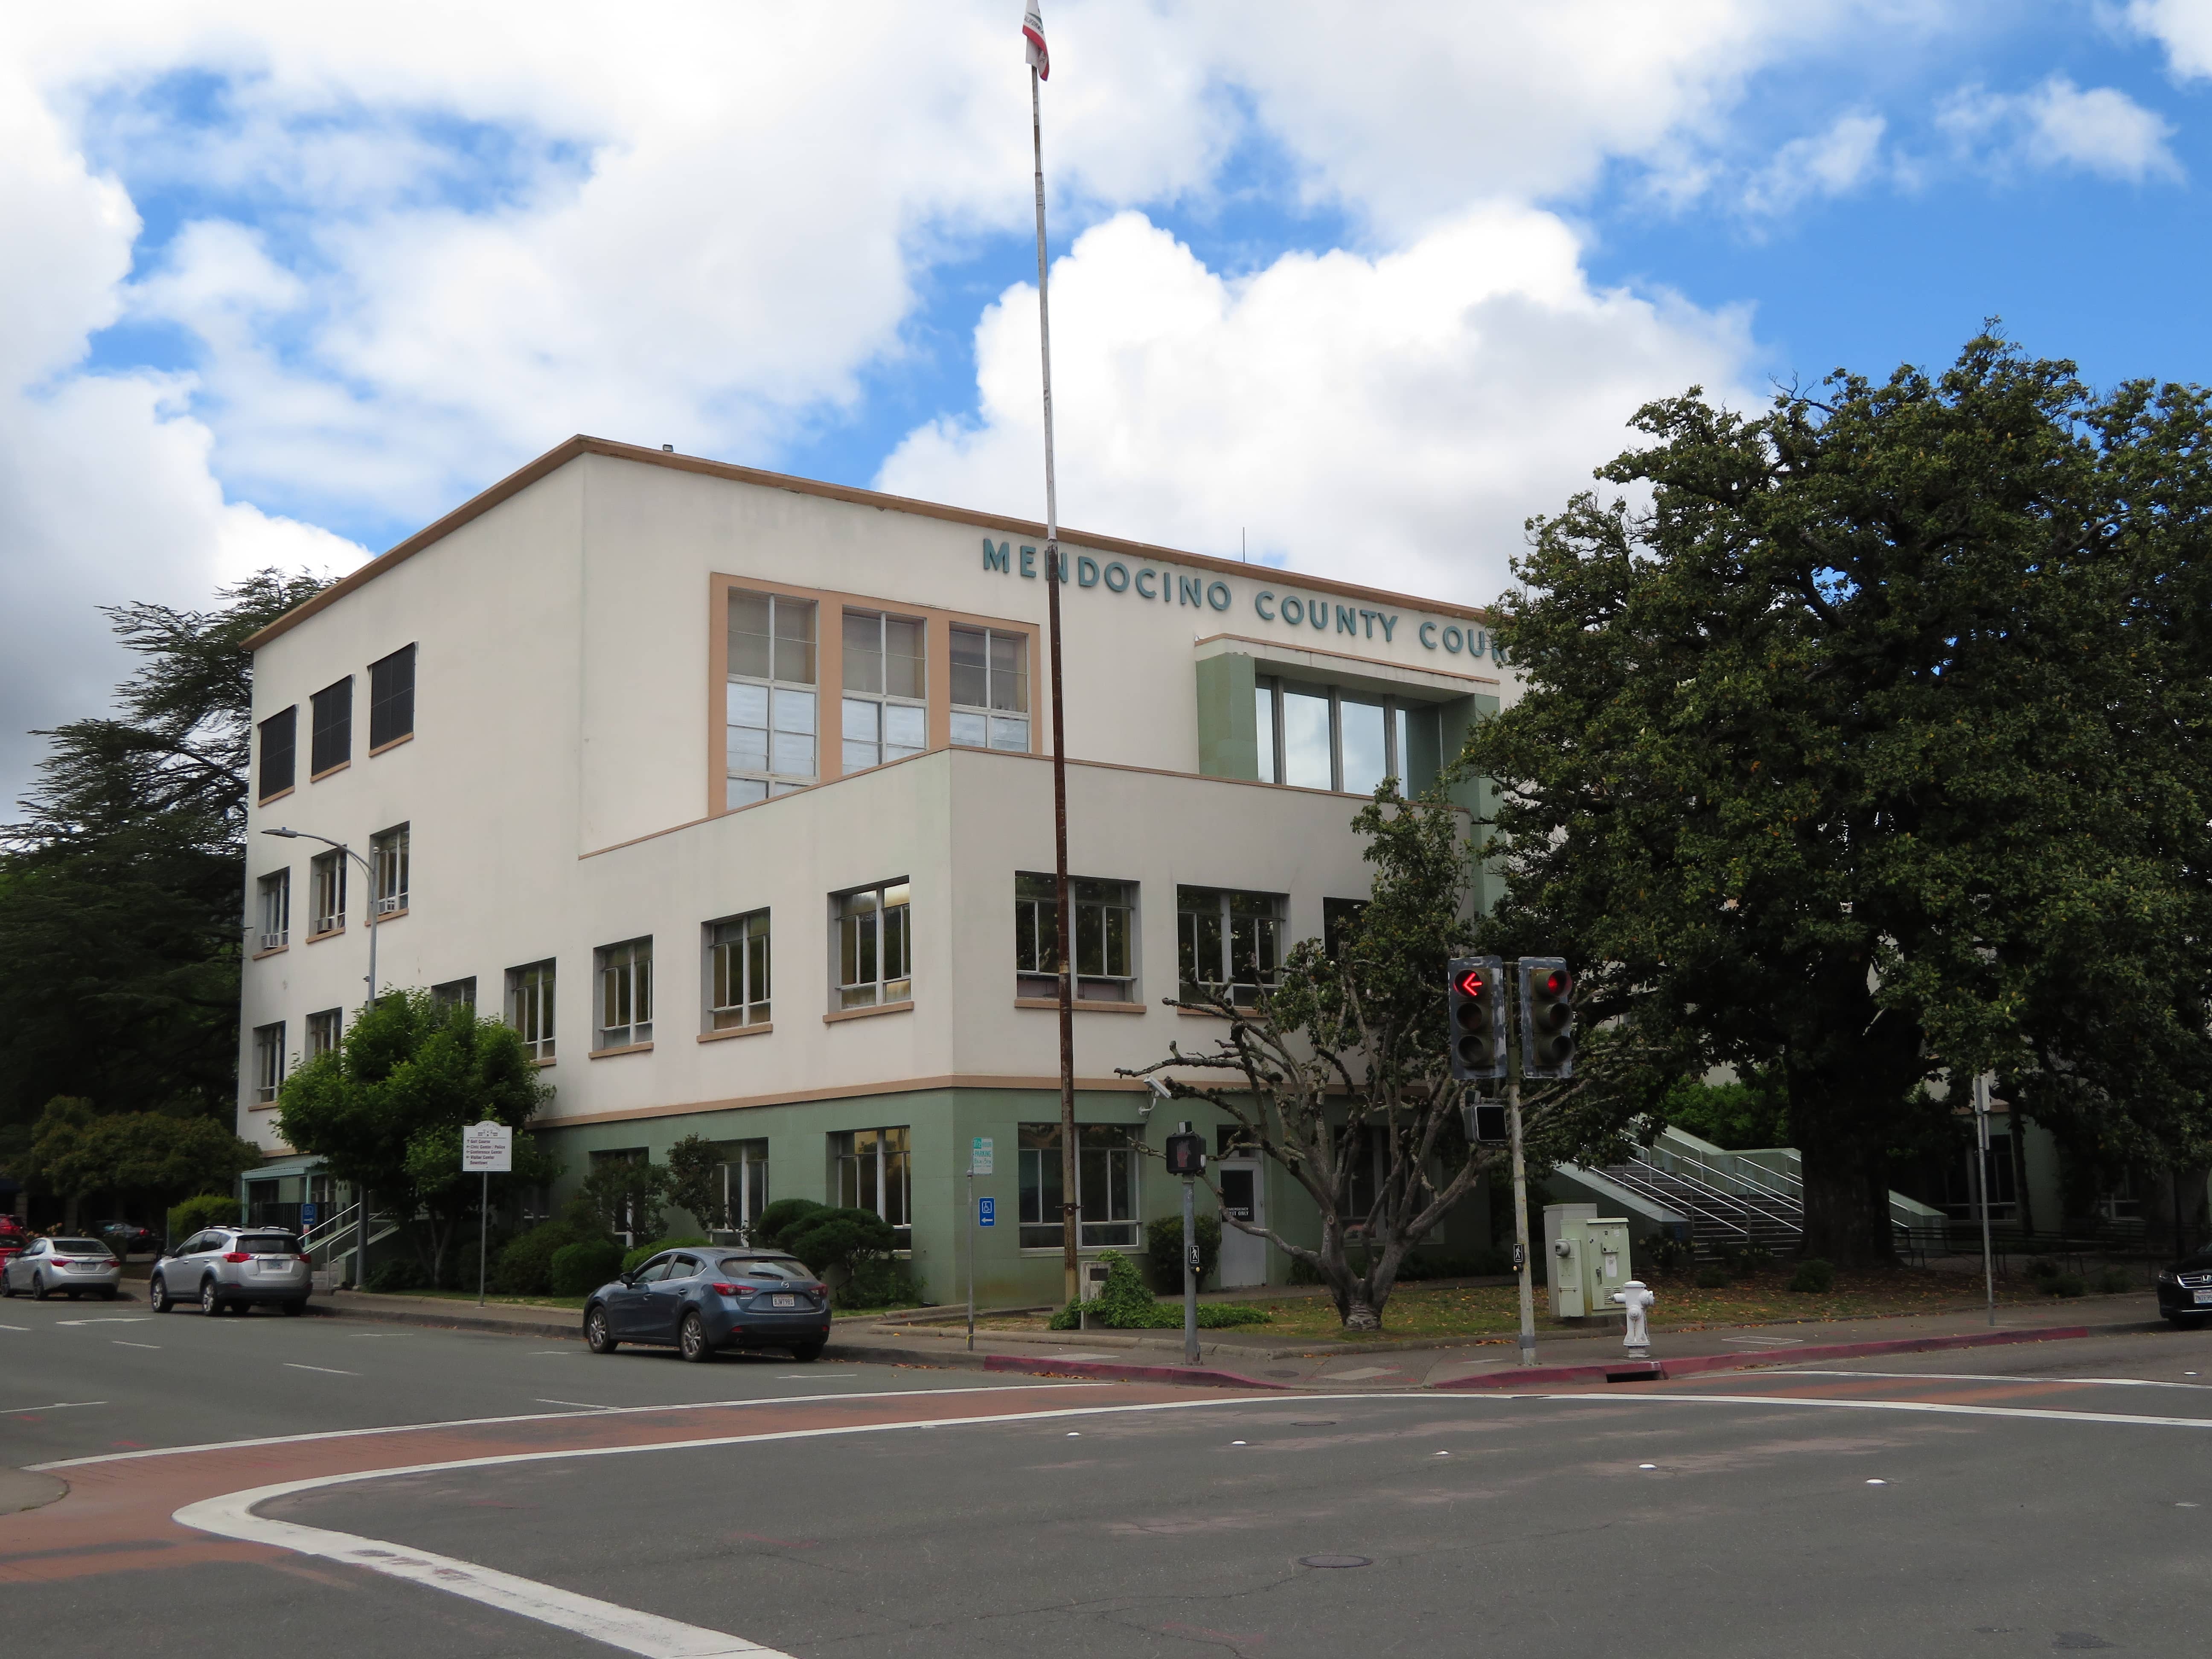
(987, 1212)
(979, 1158)
(487, 1148)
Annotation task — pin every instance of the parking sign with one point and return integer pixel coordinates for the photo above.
(987, 1212)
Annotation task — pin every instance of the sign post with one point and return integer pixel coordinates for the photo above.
(1185, 1157)
(487, 1149)
(982, 1213)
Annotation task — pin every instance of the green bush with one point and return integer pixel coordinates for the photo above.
(2065, 1285)
(1814, 1277)
(838, 1241)
(207, 1210)
(1712, 1277)
(879, 1282)
(400, 1273)
(1673, 1256)
(1163, 1249)
(1125, 1303)
(2043, 1266)
(2115, 1280)
(1749, 1259)
(633, 1260)
(580, 1268)
(778, 1219)
(524, 1266)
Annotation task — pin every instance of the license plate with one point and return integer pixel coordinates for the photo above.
(268, 1264)
(2204, 1298)
(793, 1301)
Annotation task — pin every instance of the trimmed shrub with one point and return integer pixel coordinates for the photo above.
(1124, 1303)
(2115, 1280)
(644, 1252)
(1163, 1249)
(207, 1210)
(1749, 1259)
(402, 1273)
(879, 1282)
(778, 1219)
(838, 1241)
(1712, 1277)
(524, 1266)
(1814, 1277)
(2065, 1285)
(580, 1268)
(2042, 1267)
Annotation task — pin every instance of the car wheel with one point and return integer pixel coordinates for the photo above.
(38, 1287)
(597, 1337)
(157, 1295)
(210, 1297)
(691, 1340)
(293, 1309)
(7, 1285)
(807, 1352)
(109, 1295)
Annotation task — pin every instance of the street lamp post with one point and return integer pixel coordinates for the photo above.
(369, 876)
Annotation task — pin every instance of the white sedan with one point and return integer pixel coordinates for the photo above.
(71, 1267)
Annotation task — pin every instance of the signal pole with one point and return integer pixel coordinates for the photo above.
(1520, 1225)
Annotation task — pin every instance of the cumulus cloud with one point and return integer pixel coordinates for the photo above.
(1830, 163)
(2058, 124)
(2184, 27)
(1391, 419)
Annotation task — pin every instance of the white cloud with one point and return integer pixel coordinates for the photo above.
(1830, 163)
(2101, 130)
(2184, 27)
(1391, 420)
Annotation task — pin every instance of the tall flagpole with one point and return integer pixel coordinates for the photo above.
(1070, 1193)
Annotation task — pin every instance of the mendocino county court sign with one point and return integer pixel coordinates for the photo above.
(1156, 585)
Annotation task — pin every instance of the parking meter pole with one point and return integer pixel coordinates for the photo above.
(1982, 1189)
(1189, 1277)
(483, 1227)
(1521, 1226)
(971, 1256)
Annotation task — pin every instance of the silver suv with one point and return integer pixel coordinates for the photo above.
(229, 1269)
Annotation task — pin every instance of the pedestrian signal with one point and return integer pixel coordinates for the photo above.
(1186, 1155)
(1486, 1123)
(1547, 1018)
(1475, 1015)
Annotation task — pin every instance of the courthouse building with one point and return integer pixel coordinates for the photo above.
(733, 793)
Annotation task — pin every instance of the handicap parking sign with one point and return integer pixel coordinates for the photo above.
(987, 1212)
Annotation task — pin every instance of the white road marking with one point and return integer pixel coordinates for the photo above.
(112, 1319)
(586, 1404)
(328, 1371)
(1976, 1376)
(55, 1406)
(154, 1347)
(15, 1327)
(1764, 1342)
(1935, 1407)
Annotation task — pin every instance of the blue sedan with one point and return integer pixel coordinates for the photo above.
(703, 1300)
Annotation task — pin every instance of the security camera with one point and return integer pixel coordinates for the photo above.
(1159, 1091)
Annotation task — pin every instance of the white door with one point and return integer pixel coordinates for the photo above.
(1243, 1195)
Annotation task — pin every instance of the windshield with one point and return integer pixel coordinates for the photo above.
(754, 1266)
(268, 1244)
(79, 1247)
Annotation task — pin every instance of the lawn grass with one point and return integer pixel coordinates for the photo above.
(571, 1303)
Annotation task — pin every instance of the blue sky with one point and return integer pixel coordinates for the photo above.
(1365, 287)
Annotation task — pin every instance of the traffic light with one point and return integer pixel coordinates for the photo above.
(1186, 1154)
(1547, 1018)
(1474, 1013)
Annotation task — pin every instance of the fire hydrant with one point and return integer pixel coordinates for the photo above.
(1635, 1297)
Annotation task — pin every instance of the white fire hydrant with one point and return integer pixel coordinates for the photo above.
(1636, 1298)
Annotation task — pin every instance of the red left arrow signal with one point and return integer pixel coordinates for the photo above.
(1471, 983)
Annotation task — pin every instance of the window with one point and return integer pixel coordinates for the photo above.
(1228, 941)
(268, 1062)
(322, 1030)
(392, 698)
(873, 1173)
(387, 857)
(530, 1006)
(276, 910)
(631, 1198)
(331, 744)
(991, 689)
(280, 741)
(1338, 919)
(1106, 1161)
(1323, 737)
(454, 993)
(875, 946)
(1104, 913)
(737, 972)
(625, 995)
(744, 1183)
(769, 712)
(326, 893)
(884, 717)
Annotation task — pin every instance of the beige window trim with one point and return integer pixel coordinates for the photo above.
(331, 772)
(316, 938)
(842, 1014)
(264, 800)
(387, 748)
(1083, 1007)
(627, 1048)
(736, 1031)
(542, 1064)
(277, 951)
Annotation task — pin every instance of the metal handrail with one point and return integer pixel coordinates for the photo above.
(1666, 1164)
(314, 1238)
(1646, 1189)
(1733, 1170)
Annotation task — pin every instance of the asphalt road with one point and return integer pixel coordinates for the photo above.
(1998, 1502)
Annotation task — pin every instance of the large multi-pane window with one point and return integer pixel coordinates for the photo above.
(268, 1062)
(875, 946)
(275, 894)
(1227, 942)
(323, 1030)
(392, 698)
(885, 717)
(875, 1173)
(331, 743)
(738, 972)
(991, 689)
(387, 858)
(280, 740)
(530, 1006)
(454, 993)
(1325, 736)
(1105, 918)
(1107, 1156)
(770, 709)
(326, 893)
(744, 1183)
(625, 1004)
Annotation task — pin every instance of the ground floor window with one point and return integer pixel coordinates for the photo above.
(1106, 1165)
(744, 1183)
(875, 1172)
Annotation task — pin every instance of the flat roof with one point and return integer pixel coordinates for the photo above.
(553, 459)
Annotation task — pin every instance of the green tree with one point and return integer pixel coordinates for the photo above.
(1342, 1066)
(384, 1109)
(1844, 759)
(695, 1181)
(120, 888)
(626, 1193)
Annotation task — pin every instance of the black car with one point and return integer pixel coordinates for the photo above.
(127, 1237)
(703, 1300)
(2185, 1290)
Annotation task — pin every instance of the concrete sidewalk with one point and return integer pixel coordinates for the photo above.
(1245, 1358)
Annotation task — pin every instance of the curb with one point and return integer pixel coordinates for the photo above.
(571, 1329)
(1199, 1377)
(1658, 1371)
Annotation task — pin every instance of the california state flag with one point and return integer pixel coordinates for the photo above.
(1033, 42)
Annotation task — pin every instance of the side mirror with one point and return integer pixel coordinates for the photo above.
(628, 1278)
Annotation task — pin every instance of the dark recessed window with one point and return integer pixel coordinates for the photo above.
(392, 698)
(331, 745)
(280, 743)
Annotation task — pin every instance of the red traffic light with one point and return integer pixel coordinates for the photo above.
(1471, 983)
(1555, 983)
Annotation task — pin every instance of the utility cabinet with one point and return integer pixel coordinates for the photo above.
(1586, 1256)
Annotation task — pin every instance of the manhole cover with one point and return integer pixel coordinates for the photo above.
(1336, 1561)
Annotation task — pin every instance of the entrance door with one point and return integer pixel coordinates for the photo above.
(1244, 1258)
